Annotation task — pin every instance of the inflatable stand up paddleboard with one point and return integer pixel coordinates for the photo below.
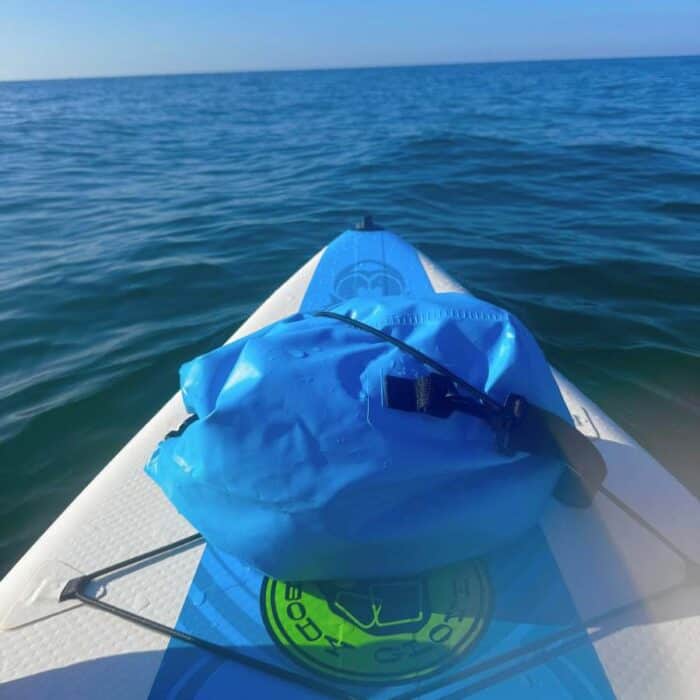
(120, 598)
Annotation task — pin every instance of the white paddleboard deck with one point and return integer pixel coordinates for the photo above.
(631, 586)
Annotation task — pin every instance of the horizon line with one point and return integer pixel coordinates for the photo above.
(312, 69)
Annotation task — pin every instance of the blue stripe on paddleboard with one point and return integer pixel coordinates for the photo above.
(530, 604)
(529, 599)
(363, 263)
(222, 606)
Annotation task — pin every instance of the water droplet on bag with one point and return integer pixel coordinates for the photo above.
(198, 597)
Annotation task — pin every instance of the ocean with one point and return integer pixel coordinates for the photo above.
(142, 220)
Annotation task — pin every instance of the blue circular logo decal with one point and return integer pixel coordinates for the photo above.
(368, 278)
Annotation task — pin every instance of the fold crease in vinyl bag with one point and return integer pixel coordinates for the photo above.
(368, 441)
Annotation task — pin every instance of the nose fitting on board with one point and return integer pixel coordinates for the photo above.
(368, 224)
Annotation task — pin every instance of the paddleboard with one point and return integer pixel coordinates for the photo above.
(595, 603)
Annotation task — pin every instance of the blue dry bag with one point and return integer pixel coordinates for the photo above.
(322, 450)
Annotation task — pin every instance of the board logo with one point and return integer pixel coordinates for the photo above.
(368, 278)
(383, 631)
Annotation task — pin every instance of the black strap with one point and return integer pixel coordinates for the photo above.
(75, 589)
(479, 396)
(519, 424)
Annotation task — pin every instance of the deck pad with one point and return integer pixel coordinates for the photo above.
(590, 604)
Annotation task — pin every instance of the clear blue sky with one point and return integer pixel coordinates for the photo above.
(61, 38)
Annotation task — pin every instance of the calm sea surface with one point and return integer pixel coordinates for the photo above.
(142, 219)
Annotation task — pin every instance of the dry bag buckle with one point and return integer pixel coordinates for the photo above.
(510, 416)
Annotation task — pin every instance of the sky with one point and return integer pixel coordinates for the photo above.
(76, 38)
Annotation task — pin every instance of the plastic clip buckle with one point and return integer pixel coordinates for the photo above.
(511, 415)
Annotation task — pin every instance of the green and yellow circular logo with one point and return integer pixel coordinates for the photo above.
(383, 631)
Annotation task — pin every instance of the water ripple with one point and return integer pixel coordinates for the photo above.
(143, 219)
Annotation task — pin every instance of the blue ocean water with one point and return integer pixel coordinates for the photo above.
(142, 219)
